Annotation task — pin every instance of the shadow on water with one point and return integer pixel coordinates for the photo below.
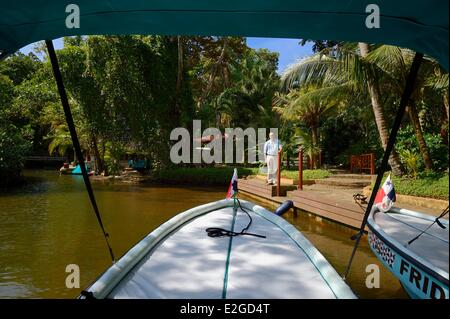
(48, 223)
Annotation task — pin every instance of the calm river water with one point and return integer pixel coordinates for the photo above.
(49, 223)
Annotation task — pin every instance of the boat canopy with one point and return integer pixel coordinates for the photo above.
(415, 24)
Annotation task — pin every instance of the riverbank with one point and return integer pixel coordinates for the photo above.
(431, 185)
(435, 186)
(205, 175)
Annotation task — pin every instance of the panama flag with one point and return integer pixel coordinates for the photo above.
(233, 188)
(386, 195)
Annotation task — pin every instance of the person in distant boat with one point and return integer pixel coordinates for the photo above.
(271, 149)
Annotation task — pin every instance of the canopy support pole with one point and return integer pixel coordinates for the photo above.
(409, 88)
(75, 141)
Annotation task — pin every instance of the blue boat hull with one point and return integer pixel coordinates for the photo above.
(419, 281)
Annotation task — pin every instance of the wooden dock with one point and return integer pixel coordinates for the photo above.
(335, 206)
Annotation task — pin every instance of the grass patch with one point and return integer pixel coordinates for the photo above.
(221, 175)
(425, 185)
(293, 173)
(307, 174)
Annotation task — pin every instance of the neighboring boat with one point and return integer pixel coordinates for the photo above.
(180, 259)
(66, 169)
(139, 165)
(414, 248)
(74, 170)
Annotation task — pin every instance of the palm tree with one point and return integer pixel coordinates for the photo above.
(60, 140)
(249, 101)
(350, 69)
(309, 105)
(394, 62)
(215, 69)
(310, 149)
(438, 82)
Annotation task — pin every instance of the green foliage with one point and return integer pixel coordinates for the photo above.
(427, 184)
(19, 67)
(293, 173)
(307, 174)
(113, 152)
(199, 176)
(60, 140)
(127, 93)
(410, 160)
(303, 139)
(248, 102)
(13, 148)
(136, 78)
(406, 141)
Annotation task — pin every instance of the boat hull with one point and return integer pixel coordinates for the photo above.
(419, 278)
(179, 260)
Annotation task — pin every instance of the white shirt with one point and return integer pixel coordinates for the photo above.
(272, 148)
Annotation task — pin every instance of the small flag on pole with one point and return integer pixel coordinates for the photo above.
(386, 195)
(233, 188)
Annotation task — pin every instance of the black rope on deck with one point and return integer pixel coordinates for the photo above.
(75, 141)
(220, 232)
(436, 221)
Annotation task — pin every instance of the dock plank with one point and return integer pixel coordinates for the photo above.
(340, 211)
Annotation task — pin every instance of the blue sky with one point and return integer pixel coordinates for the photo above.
(289, 49)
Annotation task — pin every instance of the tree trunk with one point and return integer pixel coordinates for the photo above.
(375, 97)
(98, 159)
(444, 132)
(314, 143)
(213, 74)
(288, 157)
(414, 117)
(446, 103)
(180, 65)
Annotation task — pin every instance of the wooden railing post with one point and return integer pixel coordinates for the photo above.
(300, 168)
(372, 164)
(279, 173)
(351, 163)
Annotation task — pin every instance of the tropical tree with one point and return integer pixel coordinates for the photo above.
(218, 56)
(395, 62)
(438, 82)
(61, 141)
(309, 104)
(348, 68)
(249, 101)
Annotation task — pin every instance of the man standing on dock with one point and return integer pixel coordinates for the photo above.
(271, 149)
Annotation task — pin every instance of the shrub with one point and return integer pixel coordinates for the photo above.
(411, 162)
(427, 184)
(13, 148)
(406, 141)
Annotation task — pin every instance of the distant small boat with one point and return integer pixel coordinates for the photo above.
(414, 249)
(74, 170)
(139, 165)
(180, 260)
